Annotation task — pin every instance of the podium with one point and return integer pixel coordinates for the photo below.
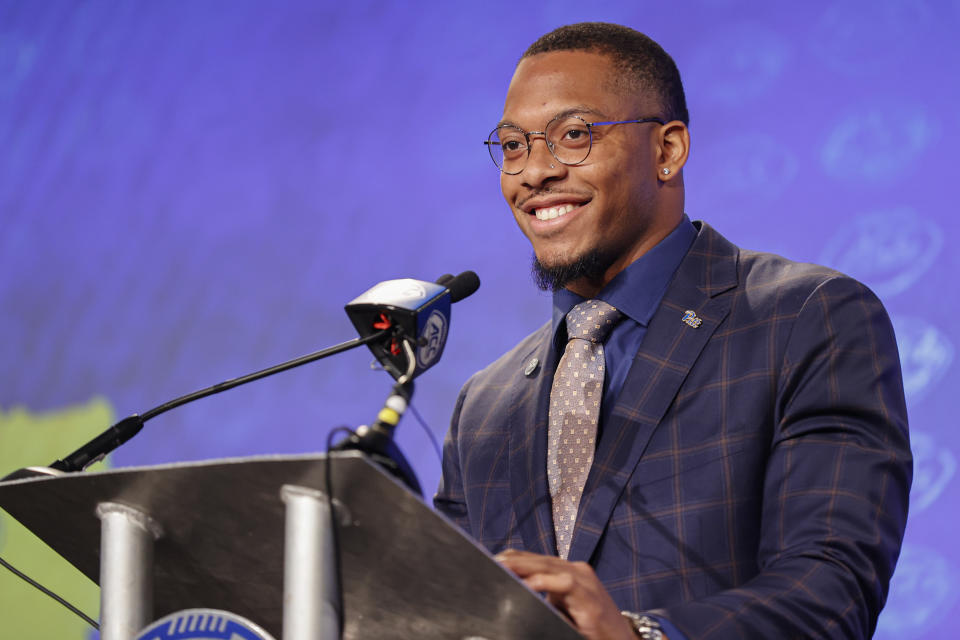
(214, 535)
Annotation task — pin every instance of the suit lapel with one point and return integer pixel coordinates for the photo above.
(669, 350)
(528, 449)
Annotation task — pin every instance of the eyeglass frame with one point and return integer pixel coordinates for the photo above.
(490, 144)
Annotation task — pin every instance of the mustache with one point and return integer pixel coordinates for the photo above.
(552, 192)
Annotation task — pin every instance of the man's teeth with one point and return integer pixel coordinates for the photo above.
(553, 212)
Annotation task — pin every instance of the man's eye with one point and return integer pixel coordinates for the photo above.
(575, 137)
(512, 146)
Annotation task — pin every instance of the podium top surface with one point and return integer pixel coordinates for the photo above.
(407, 572)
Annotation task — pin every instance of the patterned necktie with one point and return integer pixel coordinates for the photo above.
(574, 412)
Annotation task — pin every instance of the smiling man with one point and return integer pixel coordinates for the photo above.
(589, 217)
(703, 442)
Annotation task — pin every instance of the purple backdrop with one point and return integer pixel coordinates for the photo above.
(190, 191)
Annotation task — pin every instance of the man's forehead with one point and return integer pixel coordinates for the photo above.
(547, 84)
(582, 67)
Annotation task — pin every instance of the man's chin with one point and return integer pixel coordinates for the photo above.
(557, 275)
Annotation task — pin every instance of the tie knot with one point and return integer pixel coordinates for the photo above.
(592, 320)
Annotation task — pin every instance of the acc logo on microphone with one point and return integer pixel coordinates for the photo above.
(432, 339)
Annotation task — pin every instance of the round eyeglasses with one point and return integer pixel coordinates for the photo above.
(569, 139)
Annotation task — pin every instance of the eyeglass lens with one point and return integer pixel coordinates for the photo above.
(568, 139)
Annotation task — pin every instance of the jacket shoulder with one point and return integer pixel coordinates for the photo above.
(766, 275)
(758, 268)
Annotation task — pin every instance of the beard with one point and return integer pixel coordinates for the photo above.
(590, 265)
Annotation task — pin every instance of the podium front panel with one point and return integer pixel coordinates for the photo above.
(406, 571)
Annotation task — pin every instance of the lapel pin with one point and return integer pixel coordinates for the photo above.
(690, 317)
(531, 367)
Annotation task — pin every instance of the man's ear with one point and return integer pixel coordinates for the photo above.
(674, 148)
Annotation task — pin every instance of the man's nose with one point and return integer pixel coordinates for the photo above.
(541, 165)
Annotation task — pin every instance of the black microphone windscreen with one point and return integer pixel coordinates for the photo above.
(463, 285)
(444, 279)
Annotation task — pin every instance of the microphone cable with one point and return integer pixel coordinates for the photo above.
(334, 533)
(426, 428)
(47, 592)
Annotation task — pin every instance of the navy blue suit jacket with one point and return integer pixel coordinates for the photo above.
(752, 480)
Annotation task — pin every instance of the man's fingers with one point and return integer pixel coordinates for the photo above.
(558, 583)
(524, 563)
(574, 589)
(549, 574)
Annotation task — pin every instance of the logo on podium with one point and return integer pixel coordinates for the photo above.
(203, 624)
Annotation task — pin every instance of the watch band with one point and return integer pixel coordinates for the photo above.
(644, 626)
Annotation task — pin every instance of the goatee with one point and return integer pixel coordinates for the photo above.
(590, 265)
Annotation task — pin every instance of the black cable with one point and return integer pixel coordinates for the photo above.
(426, 427)
(334, 534)
(36, 585)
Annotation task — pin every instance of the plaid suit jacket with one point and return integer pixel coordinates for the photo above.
(752, 481)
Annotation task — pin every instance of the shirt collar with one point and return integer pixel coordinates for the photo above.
(637, 290)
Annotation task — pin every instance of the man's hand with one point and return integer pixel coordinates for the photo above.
(574, 589)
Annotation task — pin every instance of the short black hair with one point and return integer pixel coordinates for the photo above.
(646, 64)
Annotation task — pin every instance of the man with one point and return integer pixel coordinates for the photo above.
(746, 473)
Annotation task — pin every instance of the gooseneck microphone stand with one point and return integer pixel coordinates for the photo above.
(130, 426)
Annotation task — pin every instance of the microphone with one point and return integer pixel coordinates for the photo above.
(417, 313)
(463, 285)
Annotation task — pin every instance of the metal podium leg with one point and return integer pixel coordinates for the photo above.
(126, 570)
(311, 597)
